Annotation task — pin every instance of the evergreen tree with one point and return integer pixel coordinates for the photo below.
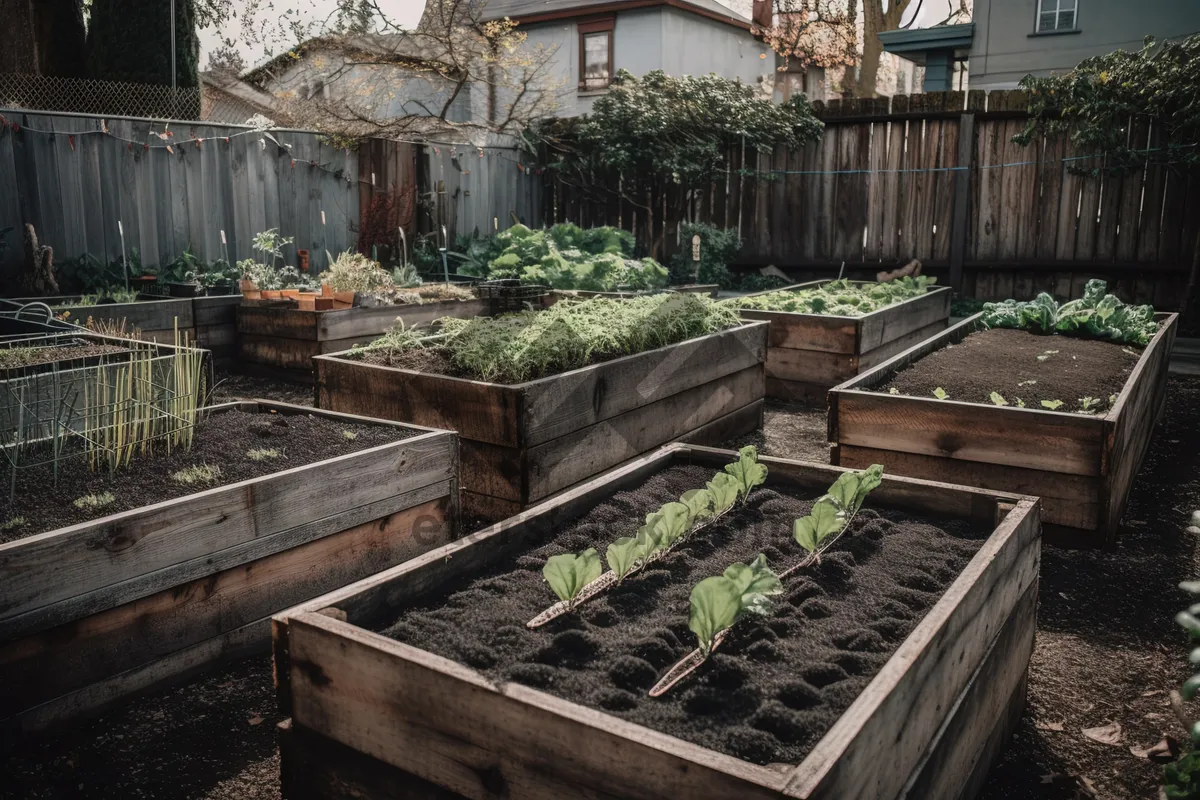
(130, 41)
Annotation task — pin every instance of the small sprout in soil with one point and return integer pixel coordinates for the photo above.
(568, 573)
(262, 454)
(718, 602)
(90, 502)
(1053, 405)
(1112, 400)
(997, 399)
(1020, 403)
(349, 436)
(940, 393)
(13, 524)
(1089, 403)
(198, 473)
(893, 390)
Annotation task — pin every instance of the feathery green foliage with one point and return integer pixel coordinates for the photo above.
(841, 298)
(518, 347)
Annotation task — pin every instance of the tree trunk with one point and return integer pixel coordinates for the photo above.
(875, 19)
(42, 37)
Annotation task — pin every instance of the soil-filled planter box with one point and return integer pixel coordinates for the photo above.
(216, 325)
(706, 289)
(373, 717)
(523, 442)
(156, 319)
(1081, 465)
(93, 612)
(282, 340)
(808, 354)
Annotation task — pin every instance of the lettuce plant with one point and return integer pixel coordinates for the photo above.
(662, 530)
(841, 297)
(1182, 778)
(567, 574)
(834, 512)
(1097, 315)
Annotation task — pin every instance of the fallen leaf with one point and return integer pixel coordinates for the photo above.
(1105, 734)
(1166, 751)
(255, 720)
(1048, 726)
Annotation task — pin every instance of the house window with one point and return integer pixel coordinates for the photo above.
(595, 53)
(1056, 15)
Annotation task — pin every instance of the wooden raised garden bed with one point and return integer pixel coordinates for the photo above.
(706, 289)
(216, 325)
(94, 612)
(374, 718)
(281, 339)
(156, 319)
(808, 354)
(1082, 466)
(524, 442)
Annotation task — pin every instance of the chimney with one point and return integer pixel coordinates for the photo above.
(763, 13)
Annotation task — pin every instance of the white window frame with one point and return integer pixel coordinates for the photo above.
(1059, 8)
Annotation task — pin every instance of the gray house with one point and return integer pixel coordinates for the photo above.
(592, 39)
(1009, 39)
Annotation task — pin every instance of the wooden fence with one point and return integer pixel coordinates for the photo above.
(76, 177)
(934, 177)
(473, 195)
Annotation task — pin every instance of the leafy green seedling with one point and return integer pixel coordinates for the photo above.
(623, 555)
(821, 523)
(1020, 403)
(1053, 405)
(747, 470)
(893, 390)
(699, 503)
(719, 602)
(567, 574)
(1088, 403)
(997, 399)
(349, 436)
(670, 522)
(724, 489)
(1112, 400)
(940, 393)
(262, 454)
(197, 474)
(13, 523)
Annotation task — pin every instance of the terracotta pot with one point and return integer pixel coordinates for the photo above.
(291, 294)
(251, 294)
(306, 302)
(326, 290)
(272, 294)
(344, 299)
(247, 286)
(323, 303)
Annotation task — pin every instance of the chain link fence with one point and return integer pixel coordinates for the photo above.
(102, 98)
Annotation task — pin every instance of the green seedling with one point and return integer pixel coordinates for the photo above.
(940, 393)
(262, 454)
(198, 474)
(91, 502)
(1089, 403)
(893, 390)
(349, 436)
(997, 399)
(567, 574)
(719, 602)
(1053, 405)
(13, 523)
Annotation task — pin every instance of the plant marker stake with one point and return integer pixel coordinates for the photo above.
(225, 248)
(124, 258)
(445, 263)
(324, 236)
(842, 271)
(403, 249)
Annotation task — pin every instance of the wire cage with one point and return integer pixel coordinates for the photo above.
(77, 395)
(509, 294)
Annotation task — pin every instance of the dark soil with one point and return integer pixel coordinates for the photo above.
(18, 357)
(788, 431)
(1006, 361)
(1107, 648)
(431, 360)
(233, 386)
(223, 440)
(778, 683)
(213, 739)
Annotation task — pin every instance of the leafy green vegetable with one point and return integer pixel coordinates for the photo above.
(1089, 403)
(1020, 403)
(1053, 405)
(747, 470)
(567, 574)
(724, 489)
(822, 522)
(998, 399)
(842, 298)
(718, 602)
(1097, 315)
(893, 390)
(940, 393)
(670, 522)
(622, 556)
(699, 503)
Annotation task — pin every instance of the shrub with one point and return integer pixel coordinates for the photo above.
(718, 247)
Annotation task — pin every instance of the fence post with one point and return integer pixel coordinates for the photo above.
(960, 227)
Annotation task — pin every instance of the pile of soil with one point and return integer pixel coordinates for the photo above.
(235, 386)
(777, 684)
(19, 357)
(788, 431)
(222, 440)
(1006, 361)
